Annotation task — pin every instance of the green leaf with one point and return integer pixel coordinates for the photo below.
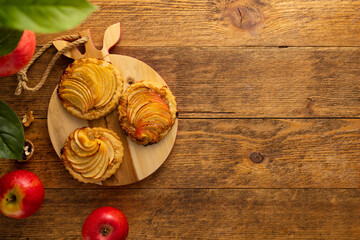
(9, 40)
(11, 133)
(43, 16)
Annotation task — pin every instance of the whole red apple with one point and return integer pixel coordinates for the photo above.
(20, 57)
(105, 223)
(21, 194)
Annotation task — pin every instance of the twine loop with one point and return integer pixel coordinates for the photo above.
(22, 74)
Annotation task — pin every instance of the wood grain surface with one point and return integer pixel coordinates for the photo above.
(200, 213)
(227, 23)
(274, 82)
(298, 153)
(223, 82)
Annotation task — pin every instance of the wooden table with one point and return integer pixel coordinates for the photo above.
(279, 78)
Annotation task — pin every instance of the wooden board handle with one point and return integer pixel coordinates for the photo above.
(73, 53)
(111, 36)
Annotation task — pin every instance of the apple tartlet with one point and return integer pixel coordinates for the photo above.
(90, 88)
(147, 112)
(92, 155)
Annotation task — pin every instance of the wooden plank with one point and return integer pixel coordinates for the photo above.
(307, 153)
(229, 82)
(199, 214)
(226, 23)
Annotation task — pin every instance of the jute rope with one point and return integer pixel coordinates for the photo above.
(22, 74)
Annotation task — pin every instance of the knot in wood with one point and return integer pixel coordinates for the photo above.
(256, 157)
(245, 18)
(130, 80)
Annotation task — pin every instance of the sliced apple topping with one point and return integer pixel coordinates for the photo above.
(105, 160)
(108, 86)
(83, 140)
(81, 152)
(89, 85)
(101, 158)
(92, 156)
(75, 99)
(82, 145)
(148, 113)
(81, 88)
(109, 147)
(85, 73)
(84, 164)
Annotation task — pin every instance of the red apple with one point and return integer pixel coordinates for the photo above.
(20, 57)
(105, 223)
(21, 194)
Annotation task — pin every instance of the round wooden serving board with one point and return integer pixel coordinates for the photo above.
(138, 161)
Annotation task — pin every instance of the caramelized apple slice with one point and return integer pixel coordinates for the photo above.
(134, 112)
(103, 169)
(150, 110)
(110, 148)
(83, 90)
(162, 121)
(85, 74)
(81, 152)
(107, 158)
(75, 159)
(149, 130)
(83, 164)
(137, 101)
(137, 93)
(86, 85)
(137, 90)
(84, 140)
(103, 157)
(75, 99)
(110, 152)
(155, 108)
(108, 84)
(82, 145)
(94, 72)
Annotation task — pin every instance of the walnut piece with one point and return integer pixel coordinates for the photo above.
(27, 119)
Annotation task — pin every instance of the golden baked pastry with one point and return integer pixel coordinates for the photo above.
(92, 155)
(90, 88)
(147, 111)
